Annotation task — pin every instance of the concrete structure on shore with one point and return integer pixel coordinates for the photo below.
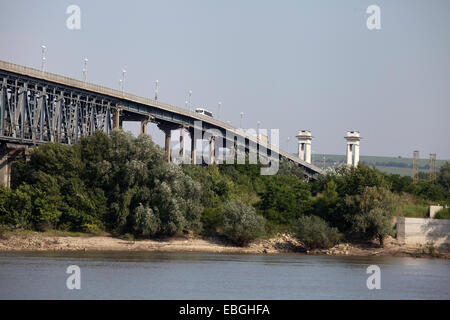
(304, 145)
(423, 231)
(353, 138)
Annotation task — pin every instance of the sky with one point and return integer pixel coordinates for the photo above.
(289, 64)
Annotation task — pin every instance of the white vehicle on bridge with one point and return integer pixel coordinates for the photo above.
(204, 112)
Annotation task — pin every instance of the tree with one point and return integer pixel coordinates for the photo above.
(370, 213)
(284, 199)
(240, 223)
(444, 178)
(353, 180)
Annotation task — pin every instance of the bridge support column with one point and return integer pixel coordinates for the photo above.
(193, 146)
(144, 126)
(167, 141)
(5, 170)
(212, 158)
(182, 143)
(167, 129)
(117, 123)
(9, 153)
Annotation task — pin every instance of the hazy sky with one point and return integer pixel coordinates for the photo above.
(289, 64)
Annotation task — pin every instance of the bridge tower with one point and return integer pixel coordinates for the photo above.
(353, 138)
(304, 145)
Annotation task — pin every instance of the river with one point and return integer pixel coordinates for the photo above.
(134, 275)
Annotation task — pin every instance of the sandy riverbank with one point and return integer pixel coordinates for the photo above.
(34, 241)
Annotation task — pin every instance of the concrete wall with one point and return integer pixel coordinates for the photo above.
(433, 209)
(422, 231)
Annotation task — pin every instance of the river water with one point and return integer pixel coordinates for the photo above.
(133, 275)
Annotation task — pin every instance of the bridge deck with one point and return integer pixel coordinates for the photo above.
(98, 89)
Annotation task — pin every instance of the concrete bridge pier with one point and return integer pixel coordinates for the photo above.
(117, 122)
(212, 150)
(5, 170)
(144, 123)
(144, 126)
(183, 143)
(9, 153)
(193, 146)
(167, 128)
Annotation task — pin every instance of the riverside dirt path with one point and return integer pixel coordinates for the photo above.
(282, 243)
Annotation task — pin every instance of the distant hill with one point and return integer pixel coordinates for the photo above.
(396, 165)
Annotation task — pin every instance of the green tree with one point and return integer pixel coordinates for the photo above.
(284, 199)
(370, 214)
(241, 224)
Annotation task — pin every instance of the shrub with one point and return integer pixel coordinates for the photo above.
(443, 214)
(145, 222)
(240, 223)
(211, 219)
(92, 228)
(314, 232)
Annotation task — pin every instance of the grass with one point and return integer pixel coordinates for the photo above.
(395, 165)
(413, 211)
(443, 214)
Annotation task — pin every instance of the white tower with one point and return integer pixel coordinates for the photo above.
(304, 145)
(353, 140)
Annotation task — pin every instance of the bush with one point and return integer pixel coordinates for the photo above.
(211, 220)
(443, 214)
(145, 222)
(240, 223)
(315, 233)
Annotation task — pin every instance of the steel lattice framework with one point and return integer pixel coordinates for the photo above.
(34, 113)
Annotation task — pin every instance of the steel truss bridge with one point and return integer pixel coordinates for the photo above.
(38, 107)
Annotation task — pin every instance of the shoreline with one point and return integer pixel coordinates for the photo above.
(282, 243)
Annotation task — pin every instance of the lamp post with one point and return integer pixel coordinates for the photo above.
(43, 58)
(218, 112)
(189, 100)
(257, 130)
(156, 89)
(85, 70)
(123, 80)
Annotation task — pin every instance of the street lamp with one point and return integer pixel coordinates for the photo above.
(257, 130)
(156, 90)
(218, 112)
(43, 58)
(85, 70)
(123, 80)
(120, 85)
(189, 100)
